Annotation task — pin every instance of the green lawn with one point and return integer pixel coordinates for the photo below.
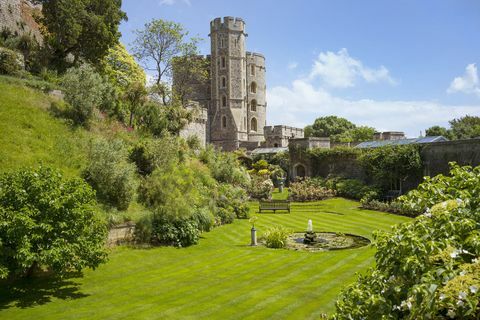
(220, 278)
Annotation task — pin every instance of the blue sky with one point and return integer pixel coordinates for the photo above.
(394, 65)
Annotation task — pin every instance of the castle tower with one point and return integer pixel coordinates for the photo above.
(231, 123)
(256, 97)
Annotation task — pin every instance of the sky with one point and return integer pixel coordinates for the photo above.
(402, 65)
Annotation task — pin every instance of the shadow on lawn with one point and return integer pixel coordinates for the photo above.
(28, 292)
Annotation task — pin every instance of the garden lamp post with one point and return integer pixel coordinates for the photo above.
(253, 231)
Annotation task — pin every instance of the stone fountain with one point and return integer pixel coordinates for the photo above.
(310, 236)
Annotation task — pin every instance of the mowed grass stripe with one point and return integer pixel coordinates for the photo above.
(222, 277)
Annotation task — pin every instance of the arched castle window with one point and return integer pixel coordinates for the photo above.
(224, 122)
(224, 101)
(253, 105)
(252, 69)
(253, 87)
(253, 125)
(224, 82)
(224, 62)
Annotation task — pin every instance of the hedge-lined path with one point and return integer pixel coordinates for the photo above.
(220, 278)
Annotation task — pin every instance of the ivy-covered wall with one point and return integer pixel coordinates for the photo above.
(395, 168)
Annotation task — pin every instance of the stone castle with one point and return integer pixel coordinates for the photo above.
(232, 101)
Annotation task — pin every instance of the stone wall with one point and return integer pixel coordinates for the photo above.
(436, 156)
(17, 16)
(279, 136)
(123, 233)
(198, 126)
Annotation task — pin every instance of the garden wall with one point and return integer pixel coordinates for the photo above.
(435, 158)
(121, 234)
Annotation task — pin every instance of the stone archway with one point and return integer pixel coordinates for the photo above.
(299, 171)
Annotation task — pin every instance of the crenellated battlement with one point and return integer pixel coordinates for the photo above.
(227, 23)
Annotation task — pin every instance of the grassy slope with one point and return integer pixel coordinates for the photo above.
(221, 278)
(30, 135)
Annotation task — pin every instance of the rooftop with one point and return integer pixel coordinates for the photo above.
(269, 150)
(382, 143)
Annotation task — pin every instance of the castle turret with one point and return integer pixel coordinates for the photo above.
(256, 96)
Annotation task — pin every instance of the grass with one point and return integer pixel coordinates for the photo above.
(30, 135)
(220, 278)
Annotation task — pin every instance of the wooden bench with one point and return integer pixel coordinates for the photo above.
(274, 205)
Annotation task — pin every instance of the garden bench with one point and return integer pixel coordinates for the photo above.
(275, 205)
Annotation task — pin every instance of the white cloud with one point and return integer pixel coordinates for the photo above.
(468, 83)
(172, 2)
(303, 101)
(340, 70)
(292, 65)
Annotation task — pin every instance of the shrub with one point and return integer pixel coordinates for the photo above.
(309, 190)
(11, 62)
(462, 183)
(151, 154)
(276, 237)
(179, 232)
(428, 268)
(48, 221)
(353, 189)
(84, 90)
(261, 188)
(110, 174)
(144, 230)
(234, 199)
(391, 207)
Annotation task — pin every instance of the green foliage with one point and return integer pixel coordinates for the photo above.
(135, 95)
(331, 126)
(11, 62)
(339, 130)
(370, 202)
(85, 29)
(276, 237)
(465, 128)
(389, 166)
(176, 232)
(110, 174)
(224, 167)
(232, 200)
(121, 69)
(151, 154)
(83, 89)
(47, 221)
(437, 131)
(463, 183)
(351, 188)
(309, 190)
(189, 68)
(261, 187)
(428, 268)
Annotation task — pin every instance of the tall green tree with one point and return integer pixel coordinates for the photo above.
(80, 29)
(437, 131)
(466, 127)
(330, 126)
(157, 45)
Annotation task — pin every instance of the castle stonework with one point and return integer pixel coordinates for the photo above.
(235, 93)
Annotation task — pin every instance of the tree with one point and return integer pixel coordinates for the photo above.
(437, 131)
(190, 72)
(84, 29)
(110, 173)
(157, 45)
(465, 128)
(136, 96)
(84, 89)
(308, 131)
(330, 126)
(48, 221)
(357, 134)
(121, 68)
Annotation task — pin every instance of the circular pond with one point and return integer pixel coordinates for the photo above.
(326, 241)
